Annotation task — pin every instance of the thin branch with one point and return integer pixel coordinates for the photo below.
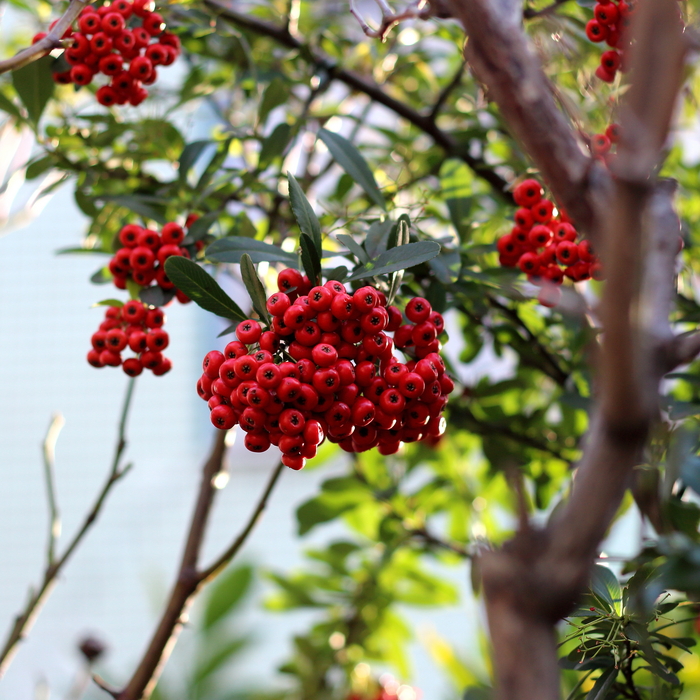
(390, 19)
(682, 350)
(190, 579)
(447, 91)
(25, 619)
(49, 451)
(52, 40)
(225, 558)
(367, 86)
(429, 538)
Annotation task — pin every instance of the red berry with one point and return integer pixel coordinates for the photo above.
(596, 31)
(223, 417)
(418, 310)
(527, 193)
(248, 331)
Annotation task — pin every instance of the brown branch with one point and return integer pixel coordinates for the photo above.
(501, 57)
(25, 619)
(51, 41)
(365, 85)
(534, 580)
(189, 578)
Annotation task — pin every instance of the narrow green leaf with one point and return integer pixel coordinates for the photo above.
(401, 258)
(6, 105)
(226, 594)
(304, 213)
(102, 276)
(400, 233)
(39, 167)
(231, 248)
(202, 288)
(606, 587)
(603, 684)
(351, 161)
(228, 329)
(273, 146)
(254, 286)
(354, 247)
(460, 210)
(213, 662)
(109, 302)
(276, 94)
(35, 86)
(377, 236)
(310, 259)
(190, 155)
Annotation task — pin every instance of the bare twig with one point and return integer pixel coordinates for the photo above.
(51, 41)
(447, 91)
(367, 86)
(190, 579)
(49, 450)
(416, 10)
(25, 619)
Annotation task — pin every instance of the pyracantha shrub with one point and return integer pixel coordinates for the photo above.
(124, 41)
(326, 369)
(134, 326)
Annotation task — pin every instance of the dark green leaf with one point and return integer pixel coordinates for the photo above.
(402, 258)
(602, 685)
(156, 296)
(273, 146)
(102, 276)
(202, 288)
(377, 236)
(200, 228)
(353, 246)
(351, 161)
(254, 286)
(190, 155)
(39, 167)
(226, 594)
(35, 86)
(400, 233)
(275, 95)
(86, 204)
(231, 248)
(7, 106)
(304, 213)
(310, 259)
(460, 211)
(606, 587)
(228, 329)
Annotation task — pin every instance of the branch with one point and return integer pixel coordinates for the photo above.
(390, 19)
(367, 86)
(536, 578)
(51, 41)
(501, 57)
(189, 579)
(25, 619)
(49, 450)
(447, 91)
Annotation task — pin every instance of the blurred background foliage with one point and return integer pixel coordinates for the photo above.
(263, 78)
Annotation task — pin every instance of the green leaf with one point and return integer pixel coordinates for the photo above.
(226, 594)
(200, 228)
(6, 105)
(304, 213)
(134, 288)
(102, 276)
(39, 167)
(401, 258)
(190, 155)
(202, 288)
(143, 205)
(351, 161)
(109, 302)
(377, 236)
(460, 214)
(254, 286)
(156, 296)
(353, 246)
(602, 685)
(35, 86)
(273, 146)
(275, 95)
(212, 662)
(606, 588)
(310, 259)
(231, 248)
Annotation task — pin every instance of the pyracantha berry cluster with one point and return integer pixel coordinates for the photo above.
(344, 383)
(543, 245)
(137, 327)
(601, 144)
(608, 24)
(143, 254)
(124, 41)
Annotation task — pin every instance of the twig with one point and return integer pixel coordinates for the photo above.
(51, 41)
(390, 18)
(190, 579)
(25, 619)
(366, 86)
(443, 544)
(49, 450)
(447, 91)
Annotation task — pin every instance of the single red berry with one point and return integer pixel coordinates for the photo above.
(600, 144)
(289, 279)
(132, 367)
(324, 355)
(248, 331)
(223, 417)
(596, 31)
(527, 193)
(153, 23)
(157, 339)
(613, 133)
(90, 23)
(607, 13)
(567, 252)
(418, 310)
(81, 75)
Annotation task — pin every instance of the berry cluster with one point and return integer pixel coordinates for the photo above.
(143, 254)
(140, 328)
(543, 245)
(345, 383)
(123, 40)
(602, 143)
(611, 18)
